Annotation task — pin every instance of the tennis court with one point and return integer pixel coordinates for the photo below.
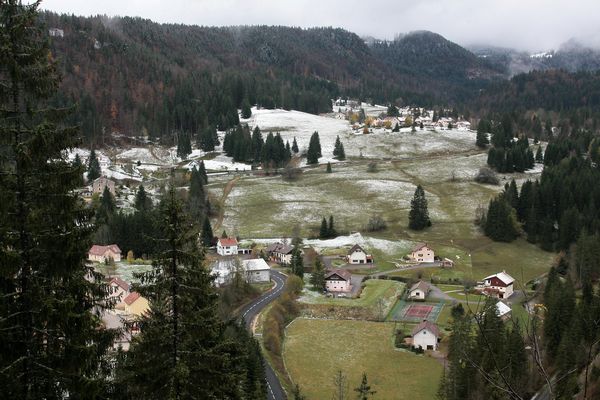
(415, 312)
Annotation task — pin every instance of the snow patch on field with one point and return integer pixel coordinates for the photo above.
(387, 246)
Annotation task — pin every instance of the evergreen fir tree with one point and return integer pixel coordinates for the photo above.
(78, 165)
(324, 231)
(183, 350)
(314, 149)
(196, 197)
(331, 232)
(539, 155)
(418, 217)
(184, 146)
(329, 170)
(207, 233)
(52, 342)
(142, 201)
(107, 206)
(94, 170)
(364, 389)
(317, 277)
(295, 148)
(297, 263)
(338, 150)
(501, 221)
(482, 138)
(202, 172)
(246, 110)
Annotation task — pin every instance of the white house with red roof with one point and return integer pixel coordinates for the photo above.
(103, 253)
(357, 255)
(426, 336)
(499, 285)
(338, 280)
(422, 253)
(227, 246)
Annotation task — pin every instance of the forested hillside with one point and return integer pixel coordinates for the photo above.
(137, 77)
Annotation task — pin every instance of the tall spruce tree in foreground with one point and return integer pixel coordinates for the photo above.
(418, 217)
(295, 148)
(52, 344)
(183, 350)
(314, 149)
(94, 170)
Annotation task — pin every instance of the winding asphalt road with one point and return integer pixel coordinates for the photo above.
(249, 312)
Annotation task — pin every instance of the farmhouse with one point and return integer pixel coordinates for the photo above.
(118, 287)
(257, 270)
(426, 336)
(227, 246)
(104, 253)
(338, 280)
(134, 305)
(99, 184)
(422, 253)
(356, 255)
(499, 285)
(280, 253)
(419, 291)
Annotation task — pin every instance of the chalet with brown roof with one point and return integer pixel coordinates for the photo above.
(104, 253)
(422, 253)
(357, 255)
(280, 253)
(426, 336)
(338, 280)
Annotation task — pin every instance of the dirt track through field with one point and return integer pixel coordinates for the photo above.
(226, 190)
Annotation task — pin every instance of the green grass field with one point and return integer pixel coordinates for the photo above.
(374, 289)
(315, 350)
(266, 207)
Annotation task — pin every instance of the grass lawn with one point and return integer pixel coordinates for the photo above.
(267, 207)
(314, 350)
(374, 289)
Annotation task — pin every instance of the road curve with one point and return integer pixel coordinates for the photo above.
(249, 312)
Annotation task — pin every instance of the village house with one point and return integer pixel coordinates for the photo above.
(99, 184)
(503, 310)
(55, 32)
(227, 246)
(133, 305)
(419, 291)
(357, 255)
(254, 270)
(104, 253)
(280, 253)
(118, 288)
(426, 336)
(422, 253)
(257, 270)
(499, 285)
(338, 280)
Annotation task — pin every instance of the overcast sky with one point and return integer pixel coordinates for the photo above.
(524, 24)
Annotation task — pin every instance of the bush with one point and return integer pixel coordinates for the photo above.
(487, 176)
(294, 284)
(372, 167)
(375, 224)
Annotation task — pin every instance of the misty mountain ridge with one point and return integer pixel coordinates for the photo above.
(574, 55)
